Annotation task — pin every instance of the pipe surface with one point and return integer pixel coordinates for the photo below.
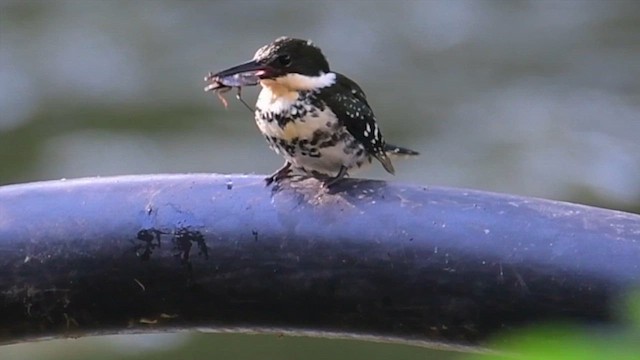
(413, 263)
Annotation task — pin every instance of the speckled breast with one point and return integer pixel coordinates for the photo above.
(308, 134)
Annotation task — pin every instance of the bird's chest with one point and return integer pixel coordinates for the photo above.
(307, 133)
(298, 120)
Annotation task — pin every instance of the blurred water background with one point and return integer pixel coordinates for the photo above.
(538, 98)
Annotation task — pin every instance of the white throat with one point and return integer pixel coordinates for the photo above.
(299, 82)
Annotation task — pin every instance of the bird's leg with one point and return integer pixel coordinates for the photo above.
(279, 174)
(341, 174)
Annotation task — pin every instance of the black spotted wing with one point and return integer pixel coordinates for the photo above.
(349, 103)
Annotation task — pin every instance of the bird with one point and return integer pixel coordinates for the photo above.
(319, 120)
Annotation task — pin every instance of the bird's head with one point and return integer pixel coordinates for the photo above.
(288, 63)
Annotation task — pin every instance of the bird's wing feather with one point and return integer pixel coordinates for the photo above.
(349, 103)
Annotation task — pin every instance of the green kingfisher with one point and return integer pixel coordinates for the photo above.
(317, 119)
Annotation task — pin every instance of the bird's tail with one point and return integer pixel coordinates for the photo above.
(399, 151)
(393, 151)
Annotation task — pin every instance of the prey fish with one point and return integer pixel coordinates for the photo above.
(222, 84)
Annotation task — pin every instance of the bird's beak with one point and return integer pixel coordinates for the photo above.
(247, 74)
(247, 70)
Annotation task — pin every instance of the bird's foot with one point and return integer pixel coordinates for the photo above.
(334, 180)
(280, 174)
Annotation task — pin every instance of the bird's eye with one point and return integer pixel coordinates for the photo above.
(284, 60)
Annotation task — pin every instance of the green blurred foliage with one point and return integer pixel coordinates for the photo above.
(633, 304)
(563, 341)
(566, 342)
